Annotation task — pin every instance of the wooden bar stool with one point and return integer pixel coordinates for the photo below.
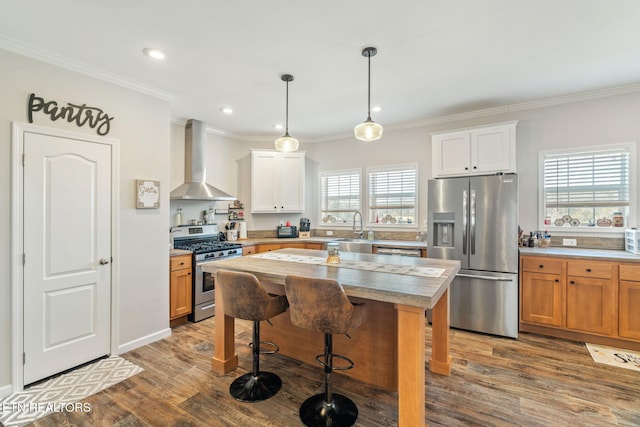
(243, 297)
(321, 305)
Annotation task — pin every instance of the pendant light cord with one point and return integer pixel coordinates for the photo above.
(369, 89)
(286, 126)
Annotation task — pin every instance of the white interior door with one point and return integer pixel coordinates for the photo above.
(67, 246)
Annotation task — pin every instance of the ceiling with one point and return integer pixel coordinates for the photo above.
(435, 58)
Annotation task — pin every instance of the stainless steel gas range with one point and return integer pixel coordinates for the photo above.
(205, 243)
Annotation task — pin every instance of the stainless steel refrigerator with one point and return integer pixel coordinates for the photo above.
(475, 220)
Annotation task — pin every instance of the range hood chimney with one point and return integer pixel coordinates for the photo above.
(195, 171)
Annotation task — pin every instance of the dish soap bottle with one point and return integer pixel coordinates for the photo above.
(370, 235)
(179, 217)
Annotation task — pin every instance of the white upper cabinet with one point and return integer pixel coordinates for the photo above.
(277, 181)
(474, 151)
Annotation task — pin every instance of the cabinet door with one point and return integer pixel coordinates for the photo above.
(543, 299)
(451, 154)
(180, 293)
(629, 319)
(291, 171)
(492, 150)
(264, 181)
(592, 305)
(318, 246)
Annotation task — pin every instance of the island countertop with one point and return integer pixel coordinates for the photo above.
(379, 285)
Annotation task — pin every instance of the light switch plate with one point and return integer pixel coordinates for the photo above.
(329, 233)
(569, 242)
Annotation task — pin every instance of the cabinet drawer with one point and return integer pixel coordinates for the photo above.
(542, 265)
(248, 250)
(630, 272)
(268, 247)
(601, 270)
(180, 262)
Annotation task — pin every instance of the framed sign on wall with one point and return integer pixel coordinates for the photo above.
(147, 194)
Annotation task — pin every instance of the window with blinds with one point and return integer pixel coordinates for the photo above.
(392, 195)
(582, 188)
(340, 196)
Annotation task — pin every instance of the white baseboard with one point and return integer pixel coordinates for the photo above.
(6, 390)
(132, 345)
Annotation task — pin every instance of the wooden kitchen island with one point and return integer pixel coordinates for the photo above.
(389, 348)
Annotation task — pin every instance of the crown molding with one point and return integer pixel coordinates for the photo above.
(78, 67)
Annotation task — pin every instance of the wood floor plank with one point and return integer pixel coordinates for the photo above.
(531, 381)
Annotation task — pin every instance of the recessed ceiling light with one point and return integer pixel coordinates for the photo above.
(227, 110)
(376, 108)
(153, 53)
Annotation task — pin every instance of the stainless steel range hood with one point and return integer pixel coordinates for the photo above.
(195, 171)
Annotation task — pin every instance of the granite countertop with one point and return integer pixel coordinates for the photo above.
(176, 252)
(396, 288)
(599, 254)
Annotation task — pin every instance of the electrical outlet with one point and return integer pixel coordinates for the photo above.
(569, 242)
(329, 233)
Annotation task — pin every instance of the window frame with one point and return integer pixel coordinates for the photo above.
(321, 174)
(414, 225)
(581, 229)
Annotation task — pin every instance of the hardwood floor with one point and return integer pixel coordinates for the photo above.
(534, 381)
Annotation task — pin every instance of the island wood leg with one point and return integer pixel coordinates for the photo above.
(440, 362)
(411, 366)
(224, 358)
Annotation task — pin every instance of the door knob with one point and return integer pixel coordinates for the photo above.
(104, 261)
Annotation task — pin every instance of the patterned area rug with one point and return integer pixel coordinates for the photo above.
(64, 393)
(614, 356)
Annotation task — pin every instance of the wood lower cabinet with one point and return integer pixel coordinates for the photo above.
(248, 250)
(629, 309)
(180, 289)
(267, 247)
(581, 299)
(543, 298)
(592, 297)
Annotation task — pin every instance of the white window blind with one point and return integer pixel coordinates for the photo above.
(586, 185)
(392, 195)
(340, 195)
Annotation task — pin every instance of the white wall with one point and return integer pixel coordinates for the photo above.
(600, 121)
(141, 124)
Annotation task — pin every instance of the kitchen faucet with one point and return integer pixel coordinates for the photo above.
(361, 232)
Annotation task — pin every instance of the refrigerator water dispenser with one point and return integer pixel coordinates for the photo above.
(444, 228)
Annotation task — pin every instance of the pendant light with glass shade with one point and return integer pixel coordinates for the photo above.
(286, 143)
(368, 130)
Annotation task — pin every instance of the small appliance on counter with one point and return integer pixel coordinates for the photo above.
(287, 231)
(305, 227)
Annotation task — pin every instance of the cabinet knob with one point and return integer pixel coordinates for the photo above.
(475, 167)
(466, 168)
(189, 274)
(572, 282)
(557, 280)
(541, 266)
(588, 270)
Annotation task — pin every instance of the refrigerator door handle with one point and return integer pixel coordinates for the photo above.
(473, 222)
(475, 276)
(464, 222)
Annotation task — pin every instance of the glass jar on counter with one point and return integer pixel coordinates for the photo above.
(333, 253)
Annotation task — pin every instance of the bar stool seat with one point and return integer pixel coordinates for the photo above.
(243, 297)
(321, 305)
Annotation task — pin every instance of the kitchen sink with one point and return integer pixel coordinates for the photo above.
(354, 245)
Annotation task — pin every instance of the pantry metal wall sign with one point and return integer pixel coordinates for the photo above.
(80, 114)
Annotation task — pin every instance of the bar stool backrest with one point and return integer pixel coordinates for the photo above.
(245, 298)
(319, 305)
